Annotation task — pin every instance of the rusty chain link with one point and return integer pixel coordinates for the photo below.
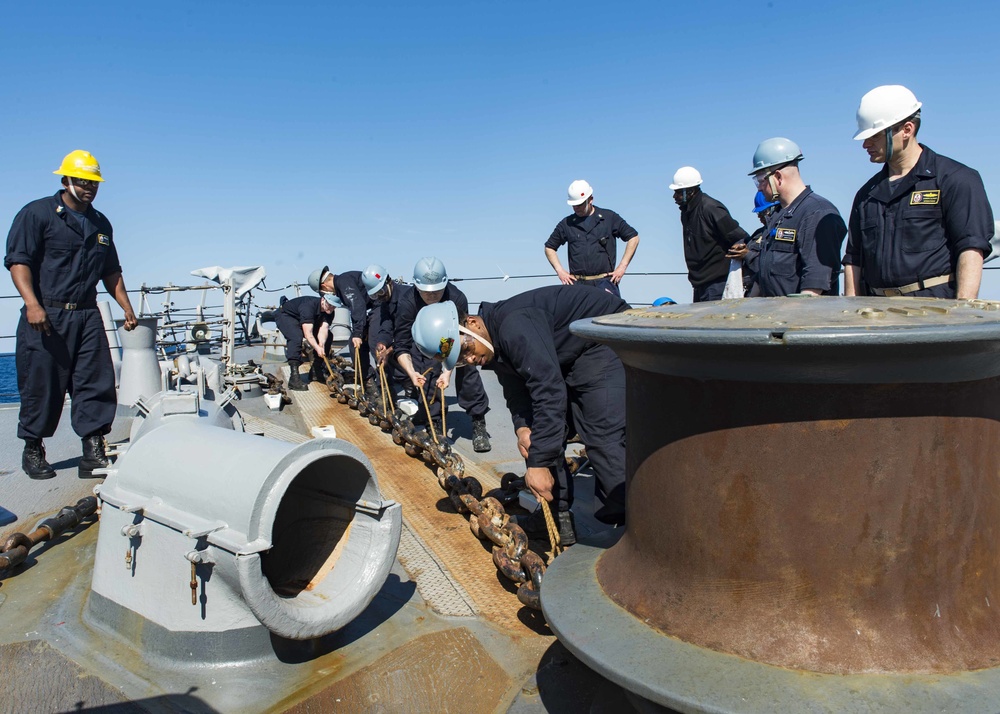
(488, 520)
(15, 548)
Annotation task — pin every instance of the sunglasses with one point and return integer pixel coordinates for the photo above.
(83, 183)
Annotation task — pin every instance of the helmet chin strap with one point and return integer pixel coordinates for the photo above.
(72, 188)
(477, 338)
(888, 144)
(773, 185)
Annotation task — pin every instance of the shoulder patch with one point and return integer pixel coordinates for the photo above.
(103, 239)
(785, 234)
(925, 198)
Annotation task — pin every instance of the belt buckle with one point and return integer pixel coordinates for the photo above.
(892, 292)
(69, 306)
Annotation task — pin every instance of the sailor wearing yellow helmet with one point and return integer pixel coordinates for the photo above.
(58, 249)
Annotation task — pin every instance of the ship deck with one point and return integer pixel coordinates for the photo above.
(445, 633)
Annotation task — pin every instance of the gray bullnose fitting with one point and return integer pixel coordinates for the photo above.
(184, 404)
(212, 539)
(812, 522)
(140, 373)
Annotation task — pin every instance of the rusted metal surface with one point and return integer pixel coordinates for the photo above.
(447, 671)
(16, 547)
(834, 528)
(847, 340)
(430, 512)
(813, 488)
(465, 492)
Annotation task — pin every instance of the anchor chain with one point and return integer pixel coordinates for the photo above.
(14, 550)
(488, 519)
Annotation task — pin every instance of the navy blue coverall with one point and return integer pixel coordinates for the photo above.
(349, 287)
(468, 382)
(67, 259)
(290, 318)
(800, 249)
(382, 331)
(910, 230)
(591, 245)
(548, 374)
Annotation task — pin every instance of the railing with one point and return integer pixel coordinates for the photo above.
(174, 318)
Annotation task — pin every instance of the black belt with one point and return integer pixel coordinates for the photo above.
(92, 305)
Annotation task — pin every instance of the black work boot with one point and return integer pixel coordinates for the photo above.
(33, 460)
(480, 437)
(318, 371)
(534, 525)
(93, 456)
(294, 380)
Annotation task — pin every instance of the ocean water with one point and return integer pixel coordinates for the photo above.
(8, 379)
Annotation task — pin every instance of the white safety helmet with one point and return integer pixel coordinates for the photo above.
(374, 277)
(579, 191)
(884, 107)
(429, 275)
(686, 177)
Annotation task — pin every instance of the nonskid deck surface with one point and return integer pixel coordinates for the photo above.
(446, 633)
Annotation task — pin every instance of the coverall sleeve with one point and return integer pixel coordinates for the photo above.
(23, 244)
(852, 254)
(383, 324)
(557, 239)
(968, 216)
(111, 262)
(530, 350)
(621, 229)
(515, 393)
(406, 313)
(461, 304)
(359, 311)
(819, 249)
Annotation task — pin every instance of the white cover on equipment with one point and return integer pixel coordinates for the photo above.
(244, 279)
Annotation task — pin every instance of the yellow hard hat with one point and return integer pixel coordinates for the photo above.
(80, 164)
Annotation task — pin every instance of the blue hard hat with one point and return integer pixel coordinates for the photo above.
(663, 301)
(775, 152)
(435, 333)
(430, 275)
(760, 202)
(374, 277)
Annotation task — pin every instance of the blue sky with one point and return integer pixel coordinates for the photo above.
(304, 134)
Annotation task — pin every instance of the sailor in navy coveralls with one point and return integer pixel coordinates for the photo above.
(591, 233)
(548, 375)
(922, 225)
(58, 249)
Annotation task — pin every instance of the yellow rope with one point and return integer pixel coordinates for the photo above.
(329, 368)
(357, 369)
(427, 408)
(550, 525)
(385, 390)
(444, 415)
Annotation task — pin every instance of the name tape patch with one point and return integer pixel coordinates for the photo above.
(785, 234)
(925, 198)
(103, 239)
